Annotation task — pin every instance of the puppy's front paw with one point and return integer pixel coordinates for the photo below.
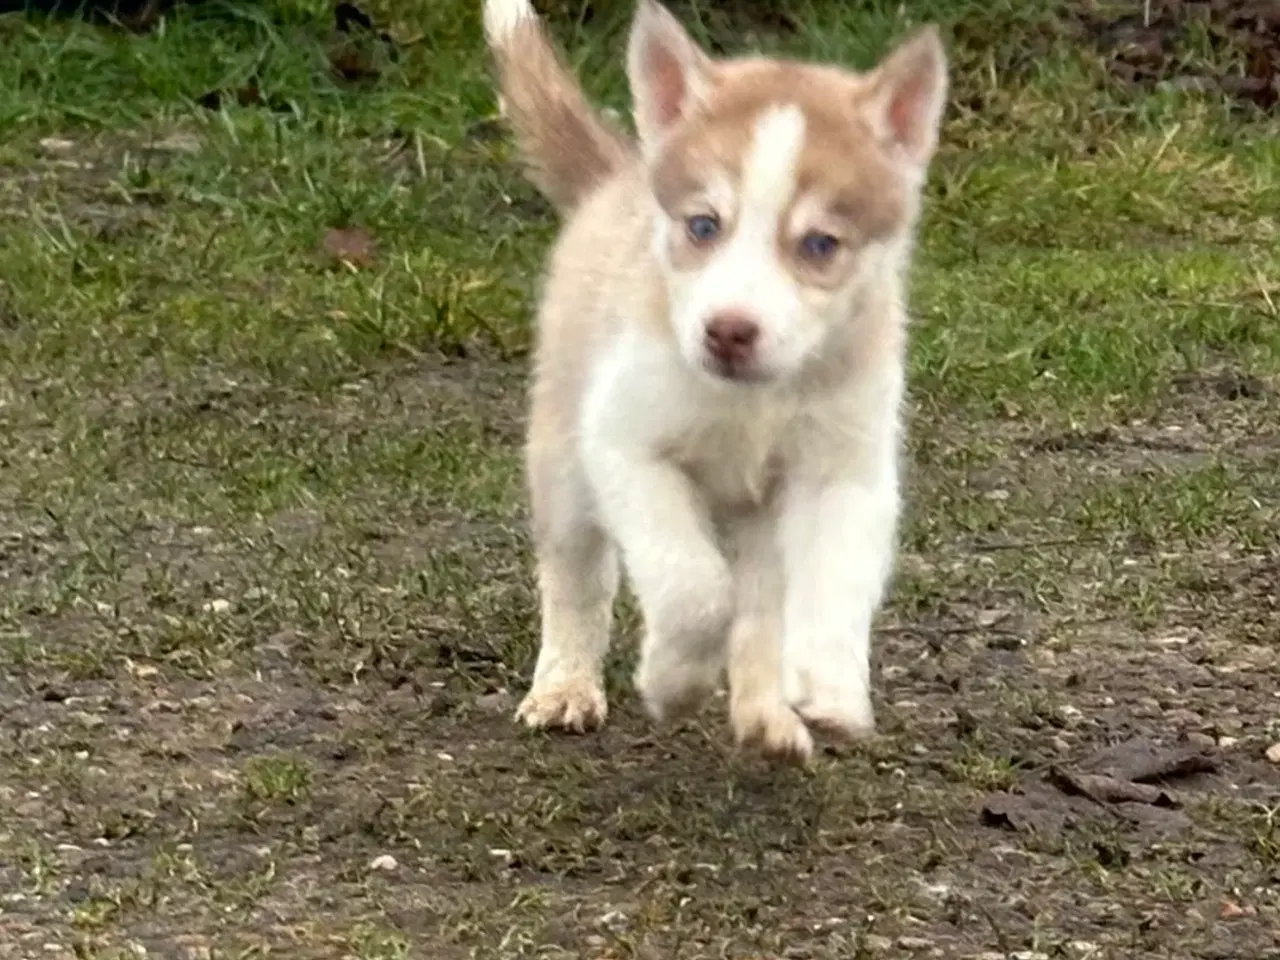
(842, 709)
(577, 705)
(682, 656)
(771, 728)
(675, 679)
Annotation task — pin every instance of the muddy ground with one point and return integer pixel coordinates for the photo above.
(204, 781)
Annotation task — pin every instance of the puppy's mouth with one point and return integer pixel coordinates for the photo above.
(730, 371)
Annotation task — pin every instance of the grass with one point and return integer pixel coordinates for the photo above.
(265, 591)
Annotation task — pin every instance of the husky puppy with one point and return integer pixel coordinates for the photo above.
(719, 370)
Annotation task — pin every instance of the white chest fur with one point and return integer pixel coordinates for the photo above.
(734, 452)
(729, 439)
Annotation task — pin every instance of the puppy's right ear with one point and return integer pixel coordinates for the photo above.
(668, 72)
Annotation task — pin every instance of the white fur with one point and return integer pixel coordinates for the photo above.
(638, 403)
(837, 530)
(503, 17)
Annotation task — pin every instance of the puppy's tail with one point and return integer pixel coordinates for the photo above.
(567, 146)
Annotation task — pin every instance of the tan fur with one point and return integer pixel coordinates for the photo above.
(600, 258)
(568, 147)
(842, 164)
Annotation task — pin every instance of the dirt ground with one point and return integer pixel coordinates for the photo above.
(240, 787)
(266, 600)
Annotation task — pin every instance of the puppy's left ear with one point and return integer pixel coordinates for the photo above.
(908, 94)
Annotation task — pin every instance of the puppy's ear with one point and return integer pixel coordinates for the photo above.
(908, 94)
(668, 72)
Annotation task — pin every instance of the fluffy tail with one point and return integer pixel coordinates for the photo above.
(567, 146)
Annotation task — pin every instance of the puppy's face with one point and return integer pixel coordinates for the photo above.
(781, 189)
(772, 216)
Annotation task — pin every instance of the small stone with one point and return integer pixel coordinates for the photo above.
(614, 920)
(219, 605)
(498, 703)
(914, 943)
(1184, 718)
(1201, 741)
(877, 943)
(1226, 743)
(178, 143)
(90, 720)
(385, 863)
(1273, 753)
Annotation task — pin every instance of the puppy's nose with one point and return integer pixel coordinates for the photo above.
(731, 336)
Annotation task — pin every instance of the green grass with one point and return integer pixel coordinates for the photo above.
(266, 598)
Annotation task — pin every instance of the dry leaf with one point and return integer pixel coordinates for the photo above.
(1233, 911)
(248, 95)
(357, 46)
(352, 246)
(352, 64)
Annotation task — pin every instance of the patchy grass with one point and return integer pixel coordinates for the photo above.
(265, 596)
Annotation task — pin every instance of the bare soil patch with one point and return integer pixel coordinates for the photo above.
(271, 781)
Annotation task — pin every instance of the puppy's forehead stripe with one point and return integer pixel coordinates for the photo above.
(771, 166)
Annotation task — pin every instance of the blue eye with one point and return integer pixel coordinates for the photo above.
(819, 246)
(703, 227)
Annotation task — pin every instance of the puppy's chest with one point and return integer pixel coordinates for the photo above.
(737, 461)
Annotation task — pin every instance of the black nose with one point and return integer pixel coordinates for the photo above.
(731, 337)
